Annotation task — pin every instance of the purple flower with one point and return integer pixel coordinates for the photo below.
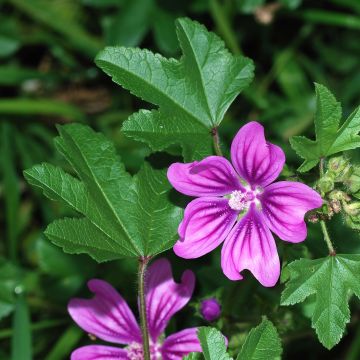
(108, 317)
(239, 205)
(210, 309)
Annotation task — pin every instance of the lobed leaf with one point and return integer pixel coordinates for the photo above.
(262, 343)
(330, 280)
(213, 344)
(330, 139)
(192, 94)
(121, 215)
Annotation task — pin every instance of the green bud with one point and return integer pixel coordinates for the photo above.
(352, 209)
(340, 168)
(339, 195)
(353, 182)
(326, 184)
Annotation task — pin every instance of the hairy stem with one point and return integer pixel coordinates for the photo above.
(329, 244)
(143, 318)
(216, 140)
(321, 167)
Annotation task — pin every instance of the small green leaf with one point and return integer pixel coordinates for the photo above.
(122, 215)
(262, 343)
(213, 344)
(330, 280)
(330, 139)
(192, 94)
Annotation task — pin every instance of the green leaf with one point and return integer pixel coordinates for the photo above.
(331, 281)
(330, 139)
(192, 94)
(122, 215)
(21, 347)
(60, 16)
(130, 25)
(262, 343)
(213, 344)
(23, 106)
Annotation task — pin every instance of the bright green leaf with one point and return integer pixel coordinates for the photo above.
(213, 344)
(262, 343)
(192, 94)
(330, 139)
(330, 280)
(122, 215)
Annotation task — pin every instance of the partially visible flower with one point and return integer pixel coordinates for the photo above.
(210, 309)
(240, 205)
(108, 317)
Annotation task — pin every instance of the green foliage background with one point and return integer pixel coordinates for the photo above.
(48, 77)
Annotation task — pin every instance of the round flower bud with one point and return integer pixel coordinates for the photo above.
(326, 184)
(210, 309)
(353, 182)
(338, 164)
(353, 209)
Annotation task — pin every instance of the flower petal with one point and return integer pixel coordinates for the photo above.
(213, 176)
(207, 221)
(251, 246)
(178, 345)
(98, 352)
(106, 315)
(284, 206)
(164, 297)
(256, 160)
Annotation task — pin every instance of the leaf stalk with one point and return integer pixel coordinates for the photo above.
(216, 140)
(327, 239)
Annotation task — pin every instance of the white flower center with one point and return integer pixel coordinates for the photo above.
(135, 351)
(241, 200)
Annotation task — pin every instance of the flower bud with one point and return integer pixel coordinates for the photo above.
(335, 205)
(339, 195)
(326, 184)
(352, 209)
(353, 182)
(210, 309)
(313, 218)
(339, 165)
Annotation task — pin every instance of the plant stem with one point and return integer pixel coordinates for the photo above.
(143, 261)
(325, 232)
(321, 166)
(225, 28)
(329, 244)
(216, 140)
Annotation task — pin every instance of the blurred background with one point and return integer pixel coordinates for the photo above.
(48, 77)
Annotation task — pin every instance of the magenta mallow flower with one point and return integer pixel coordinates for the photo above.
(210, 309)
(240, 204)
(109, 318)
